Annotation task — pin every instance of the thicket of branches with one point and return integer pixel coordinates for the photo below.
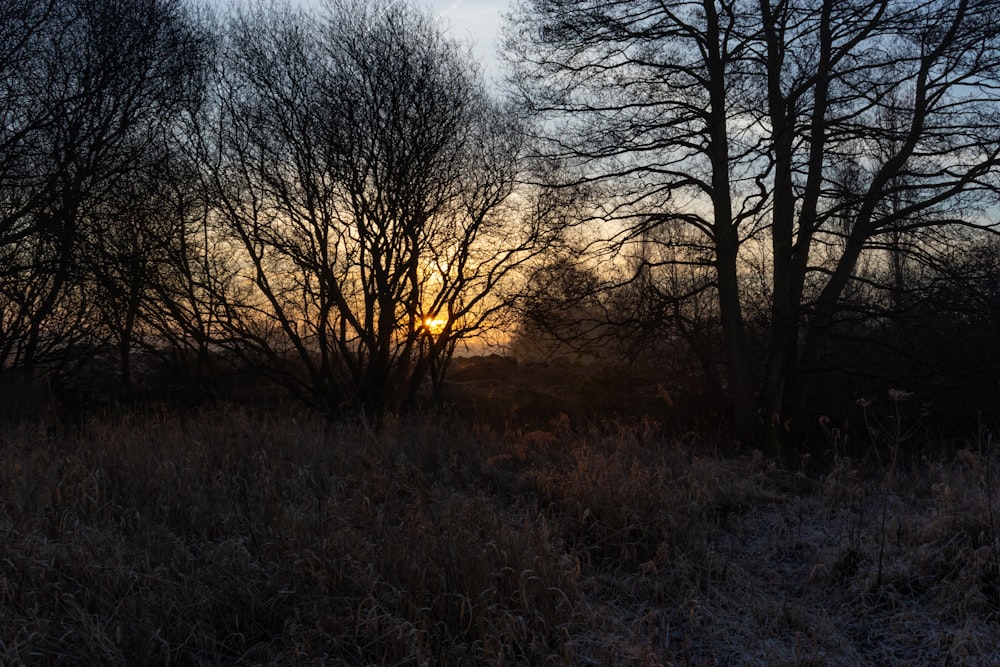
(821, 174)
(777, 203)
(93, 93)
(327, 201)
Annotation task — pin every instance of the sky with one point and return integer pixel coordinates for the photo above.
(476, 22)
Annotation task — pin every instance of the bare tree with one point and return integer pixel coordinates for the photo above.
(739, 118)
(562, 312)
(369, 186)
(91, 89)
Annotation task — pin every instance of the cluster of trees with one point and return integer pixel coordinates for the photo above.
(334, 198)
(821, 169)
(330, 198)
(93, 93)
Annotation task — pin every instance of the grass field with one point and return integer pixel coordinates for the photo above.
(228, 537)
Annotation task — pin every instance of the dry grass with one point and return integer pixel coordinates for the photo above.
(226, 537)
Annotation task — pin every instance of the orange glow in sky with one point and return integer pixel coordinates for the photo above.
(434, 325)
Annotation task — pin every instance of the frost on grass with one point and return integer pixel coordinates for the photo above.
(227, 537)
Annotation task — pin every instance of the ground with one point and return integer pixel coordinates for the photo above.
(522, 537)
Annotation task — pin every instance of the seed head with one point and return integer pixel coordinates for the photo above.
(899, 395)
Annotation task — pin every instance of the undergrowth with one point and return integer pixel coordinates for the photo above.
(227, 537)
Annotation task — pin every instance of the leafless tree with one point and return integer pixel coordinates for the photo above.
(90, 91)
(739, 118)
(369, 187)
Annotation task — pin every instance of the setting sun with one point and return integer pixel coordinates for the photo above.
(434, 325)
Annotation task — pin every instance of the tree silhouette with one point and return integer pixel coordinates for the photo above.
(366, 182)
(739, 119)
(90, 92)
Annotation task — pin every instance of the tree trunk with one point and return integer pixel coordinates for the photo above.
(727, 242)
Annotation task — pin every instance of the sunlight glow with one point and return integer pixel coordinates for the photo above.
(434, 325)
